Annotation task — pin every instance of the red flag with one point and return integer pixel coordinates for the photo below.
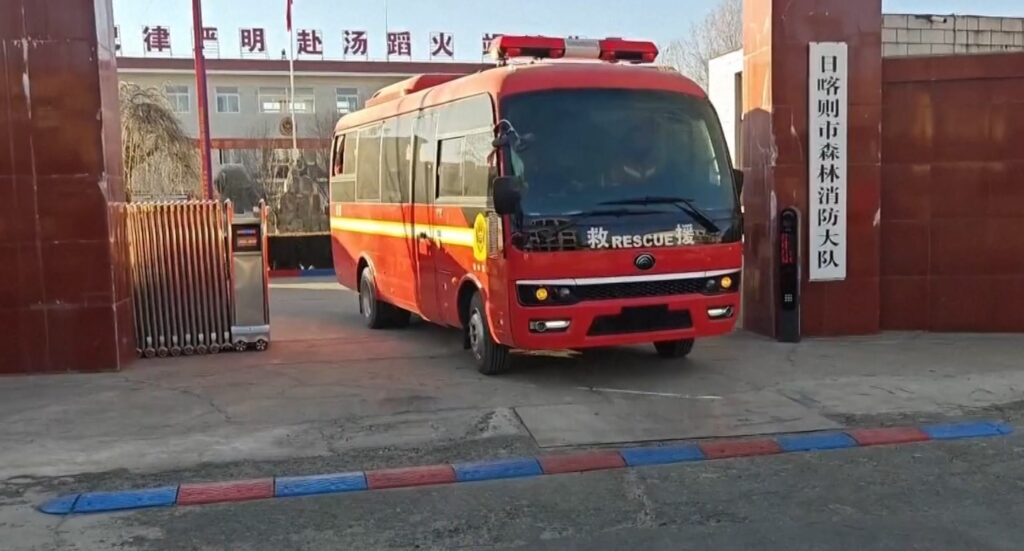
(288, 15)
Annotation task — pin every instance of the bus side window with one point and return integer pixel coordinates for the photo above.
(397, 159)
(425, 154)
(343, 168)
(476, 160)
(348, 157)
(368, 171)
(390, 187)
(339, 152)
(450, 181)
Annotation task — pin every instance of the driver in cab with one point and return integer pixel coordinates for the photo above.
(641, 159)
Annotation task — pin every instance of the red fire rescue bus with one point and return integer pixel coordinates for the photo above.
(541, 205)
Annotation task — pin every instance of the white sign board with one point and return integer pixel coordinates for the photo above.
(829, 112)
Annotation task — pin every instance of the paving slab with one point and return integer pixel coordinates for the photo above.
(668, 418)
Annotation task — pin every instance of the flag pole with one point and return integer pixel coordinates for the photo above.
(202, 100)
(291, 94)
(387, 53)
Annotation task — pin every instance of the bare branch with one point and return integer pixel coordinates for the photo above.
(159, 158)
(720, 32)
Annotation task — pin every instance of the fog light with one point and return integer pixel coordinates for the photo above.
(543, 326)
(720, 312)
(726, 282)
(541, 294)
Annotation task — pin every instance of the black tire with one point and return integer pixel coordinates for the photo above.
(399, 317)
(674, 349)
(374, 311)
(491, 358)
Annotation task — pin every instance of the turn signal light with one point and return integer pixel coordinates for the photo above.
(726, 282)
(541, 294)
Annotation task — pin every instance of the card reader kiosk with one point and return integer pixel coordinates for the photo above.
(250, 316)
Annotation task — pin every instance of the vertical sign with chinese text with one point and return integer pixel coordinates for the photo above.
(827, 128)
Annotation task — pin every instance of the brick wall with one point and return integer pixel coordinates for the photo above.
(904, 35)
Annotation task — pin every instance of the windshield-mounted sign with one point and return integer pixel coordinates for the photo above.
(598, 237)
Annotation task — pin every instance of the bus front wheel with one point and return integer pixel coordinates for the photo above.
(491, 357)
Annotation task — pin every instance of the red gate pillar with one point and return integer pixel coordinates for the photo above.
(65, 302)
(776, 38)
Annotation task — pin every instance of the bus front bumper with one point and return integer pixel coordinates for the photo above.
(623, 322)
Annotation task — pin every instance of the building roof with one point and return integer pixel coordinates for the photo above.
(303, 67)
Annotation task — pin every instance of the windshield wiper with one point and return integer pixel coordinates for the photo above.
(573, 216)
(683, 204)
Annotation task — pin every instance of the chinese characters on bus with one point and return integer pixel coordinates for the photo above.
(598, 237)
(827, 128)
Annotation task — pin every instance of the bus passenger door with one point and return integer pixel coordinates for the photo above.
(426, 247)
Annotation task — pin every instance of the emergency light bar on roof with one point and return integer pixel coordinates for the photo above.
(506, 47)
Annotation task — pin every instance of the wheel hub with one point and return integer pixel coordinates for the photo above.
(476, 334)
(365, 301)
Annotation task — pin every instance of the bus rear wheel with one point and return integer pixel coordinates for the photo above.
(491, 357)
(376, 313)
(674, 349)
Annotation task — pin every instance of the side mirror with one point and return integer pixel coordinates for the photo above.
(506, 195)
(737, 176)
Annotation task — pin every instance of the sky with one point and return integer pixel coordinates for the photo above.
(658, 20)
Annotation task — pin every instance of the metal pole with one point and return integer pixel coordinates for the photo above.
(387, 52)
(203, 101)
(291, 104)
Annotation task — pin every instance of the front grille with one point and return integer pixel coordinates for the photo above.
(640, 289)
(641, 319)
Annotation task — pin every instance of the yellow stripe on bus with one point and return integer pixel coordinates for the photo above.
(449, 235)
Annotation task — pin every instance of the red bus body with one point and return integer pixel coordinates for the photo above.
(422, 253)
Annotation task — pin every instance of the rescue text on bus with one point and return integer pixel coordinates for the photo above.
(542, 205)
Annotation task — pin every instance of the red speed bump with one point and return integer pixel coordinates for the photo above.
(412, 476)
(723, 449)
(580, 462)
(890, 435)
(219, 492)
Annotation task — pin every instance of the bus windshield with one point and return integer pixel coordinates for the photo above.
(584, 149)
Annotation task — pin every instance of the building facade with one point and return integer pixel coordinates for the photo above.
(248, 98)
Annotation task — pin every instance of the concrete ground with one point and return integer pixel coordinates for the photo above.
(331, 396)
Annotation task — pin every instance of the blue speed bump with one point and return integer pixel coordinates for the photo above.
(319, 484)
(661, 455)
(501, 468)
(956, 431)
(95, 502)
(59, 505)
(816, 441)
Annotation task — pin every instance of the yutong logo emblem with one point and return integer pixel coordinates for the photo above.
(644, 261)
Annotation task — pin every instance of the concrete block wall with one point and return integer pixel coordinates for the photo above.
(905, 35)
